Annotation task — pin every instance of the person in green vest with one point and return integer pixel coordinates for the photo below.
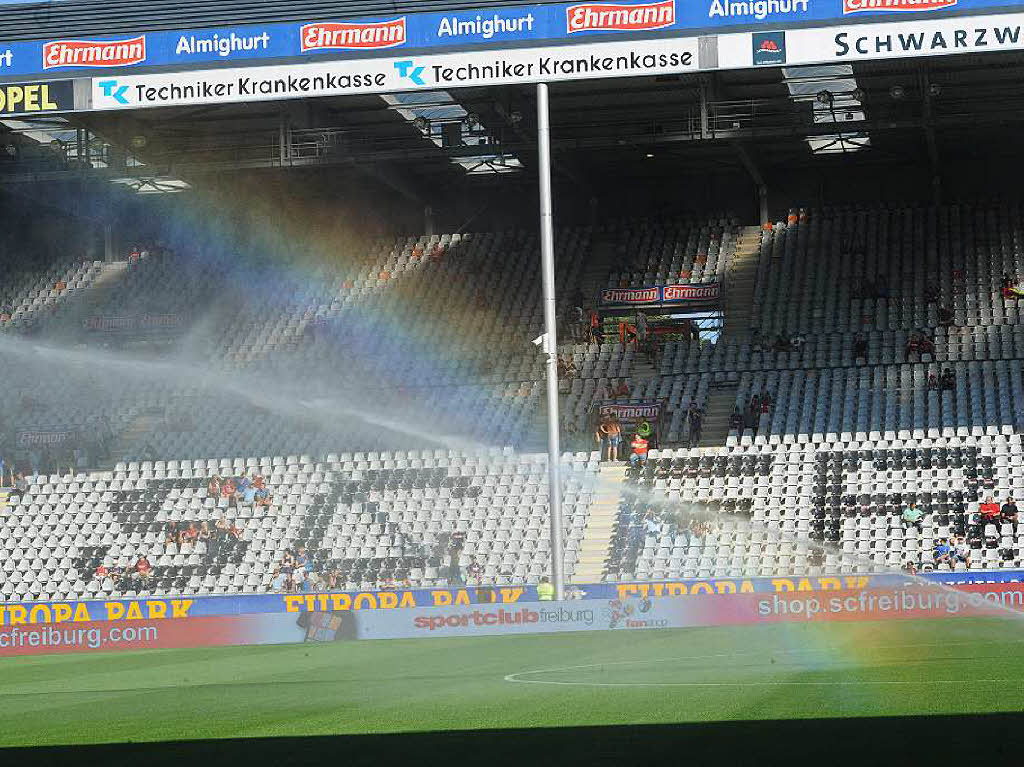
(545, 591)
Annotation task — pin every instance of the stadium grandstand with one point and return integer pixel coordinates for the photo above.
(280, 326)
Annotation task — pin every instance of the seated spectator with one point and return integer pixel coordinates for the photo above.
(961, 552)
(1011, 289)
(912, 517)
(942, 555)
(172, 533)
(926, 344)
(278, 580)
(910, 567)
(913, 345)
(766, 403)
(933, 382)
(931, 292)
(947, 381)
(570, 369)
(622, 390)
(860, 348)
(945, 315)
(21, 483)
(1009, 511)
(302, 559)
(652, 525)
(474, 571)
(144, 568)
(639, 456)
(188, 534)
(989, 511)
(781, 344)
(796, 342)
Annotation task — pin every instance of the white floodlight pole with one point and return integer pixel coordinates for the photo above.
(547, 258)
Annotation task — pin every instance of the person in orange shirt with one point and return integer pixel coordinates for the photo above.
(989, 510)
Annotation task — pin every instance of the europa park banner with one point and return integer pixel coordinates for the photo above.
(147, 623)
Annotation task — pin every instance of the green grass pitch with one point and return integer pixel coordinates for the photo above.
(741, 673)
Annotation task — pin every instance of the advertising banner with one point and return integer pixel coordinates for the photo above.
(443, 32)
(661, 295)
(859, 42)
(320, 621)
(389, 75)
(135, 323)
(36, 98)
(45, 437)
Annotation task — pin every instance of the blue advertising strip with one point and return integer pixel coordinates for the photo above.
(159, 608)
(495, 26)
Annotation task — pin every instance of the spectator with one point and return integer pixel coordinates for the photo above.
(931, 292)
(596, 333)
(696, 419)
(641, 327)
(961, 552)
(753, 417)
(601, 437)
(736, 421)
(652, 525)
(913, 346)
(172, 534)
(912, 517)
(766, 403)
(1010, 286)
(474, 571)
(910, 567)
(545, 590)
(933, 382)
(456, 542)
(947, 382)
(143, 568)
(942, 554)
(639, 456)
(860, 348)
(622, 390)
(989, 511)
(21, 484)
(945, 315)
(1009, 511)
(614, 437)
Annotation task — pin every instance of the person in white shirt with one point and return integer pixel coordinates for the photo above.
(961, 553)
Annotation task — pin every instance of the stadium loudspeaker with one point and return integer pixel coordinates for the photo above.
(451, 134)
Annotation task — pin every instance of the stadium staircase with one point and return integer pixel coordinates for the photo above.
(132, 441)
(720, 405)
(600, 262)
(741, 281)
(72, 326)
(604, 512)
